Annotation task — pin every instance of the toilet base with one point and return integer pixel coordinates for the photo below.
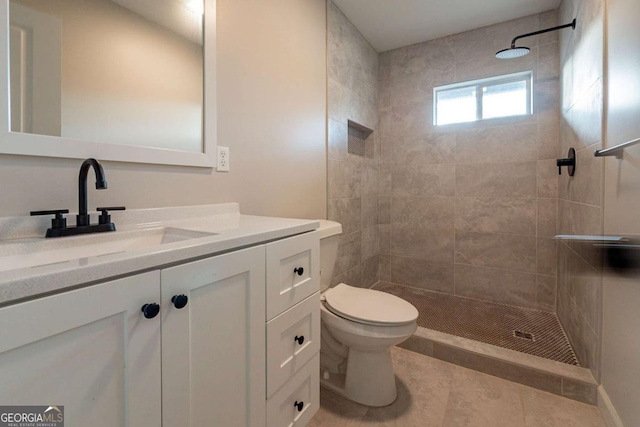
(369, 380)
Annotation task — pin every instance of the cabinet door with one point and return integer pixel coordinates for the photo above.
(213, 349)
(90, 350)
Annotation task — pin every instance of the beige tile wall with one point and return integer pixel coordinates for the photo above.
(580, 197)
(470, 209)
(352, 179)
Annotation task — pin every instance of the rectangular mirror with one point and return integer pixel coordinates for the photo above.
(112, 79)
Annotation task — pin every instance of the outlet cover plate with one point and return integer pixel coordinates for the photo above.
(223, 159)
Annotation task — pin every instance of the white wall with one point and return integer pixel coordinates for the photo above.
(271, 113)
(621, 306)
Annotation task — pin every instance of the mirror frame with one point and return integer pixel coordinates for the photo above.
(55, 146)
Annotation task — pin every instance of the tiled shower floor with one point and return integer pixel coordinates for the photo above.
(488, 322)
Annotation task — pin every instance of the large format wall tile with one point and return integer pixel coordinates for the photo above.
(439, 148)
(548, 179)
(419, 57)
(415, 87)
(548, 62)
(344, 179)
(348, 253)
(515, 143)
(354, 181)
(503, 286)
(496, 215)
(579, 299)
(370, 242)
(369, 211)
(424, 212)
(546, 292)
(547, 217)
(511, 252)
(489, 188)
(347, 212)
(429, 180)
(547, 254)
(412, 120)
(425, 243)
(496, 179)
(488, 66)
(337, 140)
(434, 276)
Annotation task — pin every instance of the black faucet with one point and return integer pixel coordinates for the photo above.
(83, 223)
(82, 219)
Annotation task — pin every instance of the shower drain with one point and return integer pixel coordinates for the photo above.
(524, 335)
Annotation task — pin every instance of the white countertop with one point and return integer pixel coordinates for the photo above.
(234, 231)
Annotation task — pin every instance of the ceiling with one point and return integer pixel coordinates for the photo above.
(390, 24)
(179, 16)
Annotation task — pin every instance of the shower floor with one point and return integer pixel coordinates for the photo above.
(525, 330)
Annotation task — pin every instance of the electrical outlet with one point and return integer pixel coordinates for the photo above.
(223, 159)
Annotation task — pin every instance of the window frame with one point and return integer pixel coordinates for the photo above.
(479, 85)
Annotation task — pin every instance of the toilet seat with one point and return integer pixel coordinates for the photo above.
(368, 306)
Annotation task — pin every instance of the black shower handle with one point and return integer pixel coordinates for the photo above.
(569, 162)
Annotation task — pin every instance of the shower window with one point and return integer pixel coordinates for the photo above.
(501, 96)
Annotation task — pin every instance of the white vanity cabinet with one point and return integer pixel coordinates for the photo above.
(90, 350)
(203, 354)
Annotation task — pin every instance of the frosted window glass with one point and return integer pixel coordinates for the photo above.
(456, 106)
(508, 99)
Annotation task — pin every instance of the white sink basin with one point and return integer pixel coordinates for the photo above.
(34, 253)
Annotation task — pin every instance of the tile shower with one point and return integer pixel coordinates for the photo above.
(469, 209)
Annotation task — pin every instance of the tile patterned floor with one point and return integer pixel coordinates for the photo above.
(432, 393)
(487, 322)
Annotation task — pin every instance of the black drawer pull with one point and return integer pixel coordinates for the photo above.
(299, 405)
(299, 339)
(298, 270)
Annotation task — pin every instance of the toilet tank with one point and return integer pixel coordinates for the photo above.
(330, 232)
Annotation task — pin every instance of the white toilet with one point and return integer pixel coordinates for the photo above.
(359, 326)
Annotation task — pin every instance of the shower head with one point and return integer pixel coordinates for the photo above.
(518, 51)
(513, 52)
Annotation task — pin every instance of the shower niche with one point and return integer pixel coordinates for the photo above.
(357, 138)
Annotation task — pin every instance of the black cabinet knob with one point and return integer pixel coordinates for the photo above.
(179, 301)
(150, 310)
(298, 270)
(299, 405)
(299, 339)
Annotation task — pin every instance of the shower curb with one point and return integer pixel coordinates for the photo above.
(562, 379)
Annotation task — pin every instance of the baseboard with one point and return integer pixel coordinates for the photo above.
(607, 409)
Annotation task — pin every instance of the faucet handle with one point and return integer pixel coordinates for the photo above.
(105, 218)
(57, 223)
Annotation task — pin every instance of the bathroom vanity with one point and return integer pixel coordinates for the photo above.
(212, 321)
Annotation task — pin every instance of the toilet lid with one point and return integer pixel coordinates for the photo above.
(369, 306)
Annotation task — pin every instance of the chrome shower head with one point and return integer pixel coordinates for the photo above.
(513, 52)
(517, 52)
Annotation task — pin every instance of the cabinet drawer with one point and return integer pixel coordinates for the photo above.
(293, 271)
(285, 354)
(303, 388)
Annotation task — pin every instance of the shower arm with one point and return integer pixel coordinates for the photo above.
(535, 33)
